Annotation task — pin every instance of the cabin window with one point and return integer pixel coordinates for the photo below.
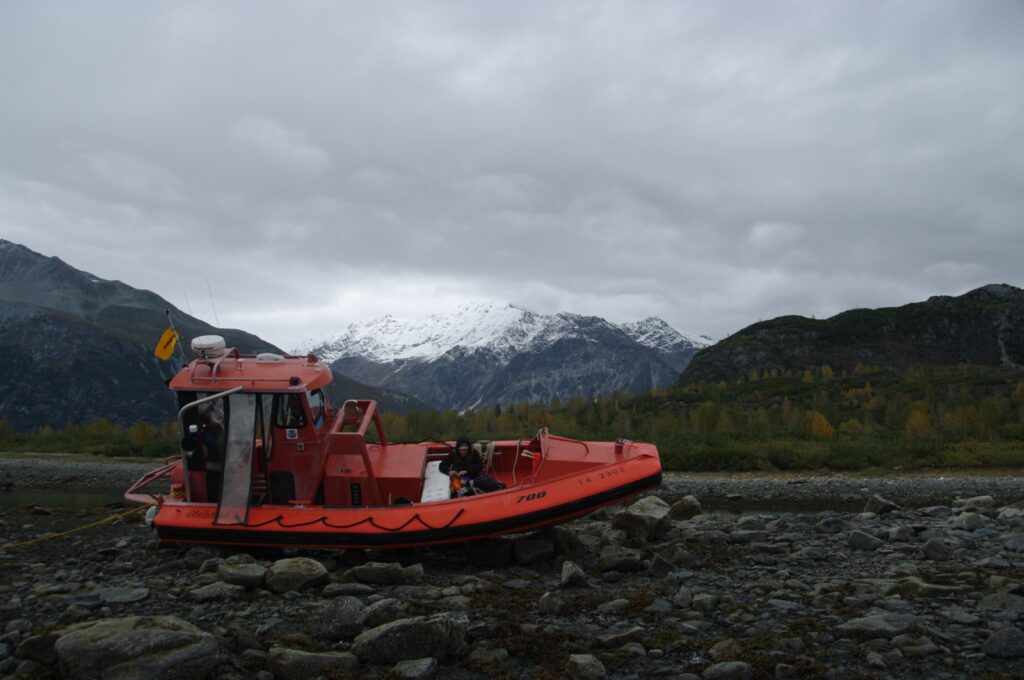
(290, 413)
(316, 407)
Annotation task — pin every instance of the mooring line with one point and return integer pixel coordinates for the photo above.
(47, 537)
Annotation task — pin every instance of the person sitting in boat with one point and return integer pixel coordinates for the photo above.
(463, 461)
(463, 466)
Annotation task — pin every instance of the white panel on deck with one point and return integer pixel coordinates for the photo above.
(436, 485)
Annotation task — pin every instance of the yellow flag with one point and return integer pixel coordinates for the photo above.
(165, 347)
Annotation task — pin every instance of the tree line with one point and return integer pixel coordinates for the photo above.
(820, 419)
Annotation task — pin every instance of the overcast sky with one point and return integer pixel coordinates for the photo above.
(712, 163)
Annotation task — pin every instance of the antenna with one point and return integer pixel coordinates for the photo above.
(188, 304)
(210, 290)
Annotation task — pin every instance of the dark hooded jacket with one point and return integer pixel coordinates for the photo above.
(471, 463)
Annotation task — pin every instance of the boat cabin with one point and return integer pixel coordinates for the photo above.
(260, 430)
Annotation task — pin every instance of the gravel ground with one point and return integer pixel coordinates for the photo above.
(800, 581)
(56, 473)
(725, 492)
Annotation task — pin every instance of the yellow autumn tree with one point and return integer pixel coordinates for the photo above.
(919, 425)
(819, 427)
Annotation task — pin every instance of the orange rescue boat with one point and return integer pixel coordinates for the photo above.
(266, 460)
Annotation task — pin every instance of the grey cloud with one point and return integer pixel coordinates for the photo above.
(711, 163)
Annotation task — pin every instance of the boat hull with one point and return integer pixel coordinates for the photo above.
(470, 518)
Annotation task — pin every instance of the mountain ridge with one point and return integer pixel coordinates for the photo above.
(484, 353)
(982, 326)
(78, 347)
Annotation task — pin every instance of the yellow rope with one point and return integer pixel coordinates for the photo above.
(109, 518)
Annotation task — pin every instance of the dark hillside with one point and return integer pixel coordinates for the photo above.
(984, 327)
(77, 348)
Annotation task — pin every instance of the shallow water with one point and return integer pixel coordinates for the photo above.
(20, 498)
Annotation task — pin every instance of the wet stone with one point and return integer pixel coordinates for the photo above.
(727, 670)
(247, 575)
(975, 502)
(936, 549)
(415, 669)
(641, 520)
(295, 574)
(878, 625)
(217, 590)
(686, 507)
(385, 573)
(412, 638)
(1005, 643)
(383, 611)
(861, 541)
(345, 589)
(725, 650)
(122, 595)
(969, 521)
(158, 647)
(295, 664)
(584, 667)
(550, 604)
(340, 619)
(617, 558)
(533, 550)
(573, 575)
(1003, 602)
(880, 506)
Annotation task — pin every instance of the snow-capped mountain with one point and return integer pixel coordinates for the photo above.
(480, 354)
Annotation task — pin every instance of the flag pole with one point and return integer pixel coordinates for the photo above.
(184, 359)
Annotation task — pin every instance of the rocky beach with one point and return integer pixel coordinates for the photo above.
(712, 577)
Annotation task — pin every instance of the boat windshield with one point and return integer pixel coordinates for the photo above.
(238, 456)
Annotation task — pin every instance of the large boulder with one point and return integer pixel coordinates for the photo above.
(878, 626)
(218, 590)
(149, 647)
(530, 550)
(936, 549)
(491, 552)
(249, 575)
(385, 573)
(1002, 602)
(975, 502)
(686, 507)
(412, 638)
(383, 611)
(862, 541)
(880, 506)
(295, 573)
(617, 558)
(340, 619)
(727, 670)
(1005, 643)
(295, 664)
(643, 519)
(415, 669)
(566, 541)
(969, 521)
(584, 667)
(572, 575)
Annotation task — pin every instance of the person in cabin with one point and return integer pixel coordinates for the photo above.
(463, 466)
(463, 461)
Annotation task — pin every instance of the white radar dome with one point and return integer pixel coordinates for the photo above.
(269, 358)
(208, 346)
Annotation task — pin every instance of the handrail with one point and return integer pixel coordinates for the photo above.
(369, 414)
(214, 364)
(571, 441)
(152, 475)
(185, 455)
